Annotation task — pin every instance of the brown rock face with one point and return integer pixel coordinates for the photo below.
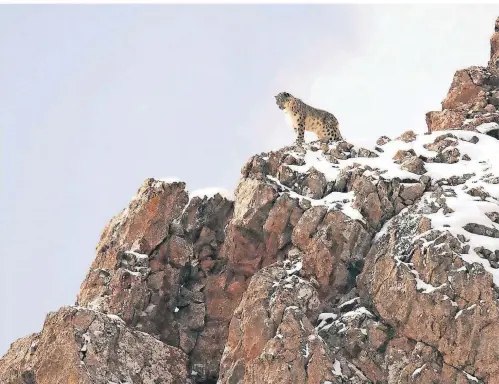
(246, 247)
(270, 337)
(472, 97)
(78, 345)
(126, 243)
(326, 267)
(335, 252)
(494, 47)
(144, 224)
(443, 120)
(415, 165)
(464, 93)
(175, 291)
(439, 308)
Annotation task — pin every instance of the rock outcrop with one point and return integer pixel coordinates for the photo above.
(472, 102)
(330, 264)
(78, 345)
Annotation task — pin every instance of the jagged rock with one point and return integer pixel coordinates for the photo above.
(419, 277)
(482, 230)
(159, 297)
(335, 253)
(383, 140)
(143, 225)
(363, 152)
(442, 142)
(411, 192)
(375, 200)
(307, 226)
(463, 93)
(450, 156)
(407, 136)
(283, 217)
(187, 290)
(271, 339)
(401, 155)
(446, 119)
(204, 217)
(245, 245)
(414, 164)
(493, 216)
(472, 99)
(314, 185)
(78, 345)
(494, 47)
(490, 108)
(287, 176)
(478, 192)
(494, 99)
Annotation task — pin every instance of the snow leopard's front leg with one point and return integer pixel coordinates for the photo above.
(300, 130)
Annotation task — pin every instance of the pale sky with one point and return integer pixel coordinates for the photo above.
(95, 99)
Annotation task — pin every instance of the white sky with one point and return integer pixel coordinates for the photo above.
(406, 67)
(96, 99)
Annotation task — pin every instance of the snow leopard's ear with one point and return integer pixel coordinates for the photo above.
(283, 96)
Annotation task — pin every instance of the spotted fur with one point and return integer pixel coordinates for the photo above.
(303, 118)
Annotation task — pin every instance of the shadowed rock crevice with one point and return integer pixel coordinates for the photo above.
(494, 133)
(354, 270)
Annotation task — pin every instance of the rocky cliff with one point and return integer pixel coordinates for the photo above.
(330, 264)
(473, 97)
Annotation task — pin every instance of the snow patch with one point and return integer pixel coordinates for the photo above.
(465, 309)
(418, 370)
(295, 268)
(337, 369)
(326, 321)
(133, 273)
(345, 200)
(306, 352)
(211, 192)
(137, 255)
(425, 287)
(472, 378)
(86, 340)
(487, 127)
(317, 160)
(169, 180)
(357, 312)
(354, 300)
(479, 173)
